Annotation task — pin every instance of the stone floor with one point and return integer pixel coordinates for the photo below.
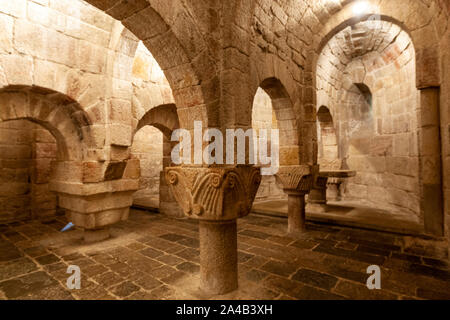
(151, 256)
(350, 214)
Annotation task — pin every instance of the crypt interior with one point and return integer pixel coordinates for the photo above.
(92, 91)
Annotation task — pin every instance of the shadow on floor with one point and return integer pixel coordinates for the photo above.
(349, 214)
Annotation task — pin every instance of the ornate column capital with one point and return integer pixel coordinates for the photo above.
(297, 179)
(214, 193)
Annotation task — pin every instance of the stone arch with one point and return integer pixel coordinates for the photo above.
(286, 119)
(56, 112)
(427, 80)
(124, 45)
(172, 37)
(165, 119)
(266, 66)
(126, 48)
(416, 22)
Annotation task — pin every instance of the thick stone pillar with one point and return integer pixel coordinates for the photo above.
(95, 195)
(297, 181)
(216, 197)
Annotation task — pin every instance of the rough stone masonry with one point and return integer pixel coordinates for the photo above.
(91, 92)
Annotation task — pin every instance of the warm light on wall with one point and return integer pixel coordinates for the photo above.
(360, 7)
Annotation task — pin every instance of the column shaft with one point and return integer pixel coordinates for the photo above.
(296, 213)
(218, 256)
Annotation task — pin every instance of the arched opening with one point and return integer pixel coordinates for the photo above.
(272, 110)
(283, 119)
(63, 117)
(152, 146)
(366, 76)
(148, 148)
(171, 48)
(154, 117)
(38, 128)
(264, 118)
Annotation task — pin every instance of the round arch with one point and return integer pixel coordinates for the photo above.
(56, 112)
(172, 37)
(420, 28)
(427, 81)
(286, 120)
(163, 117)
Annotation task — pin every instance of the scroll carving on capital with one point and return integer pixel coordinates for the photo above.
(298, 179)
(214, 193)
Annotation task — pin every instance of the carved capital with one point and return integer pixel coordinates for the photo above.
(297, 179)
(214, 193)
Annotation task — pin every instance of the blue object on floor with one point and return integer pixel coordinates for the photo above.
(69, 226)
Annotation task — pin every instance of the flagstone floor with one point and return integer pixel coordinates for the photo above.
(151, 256)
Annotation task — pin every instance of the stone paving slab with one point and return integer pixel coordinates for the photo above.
(152, 256)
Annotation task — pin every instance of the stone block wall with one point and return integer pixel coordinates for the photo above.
(44, 202)
(263, 117)
(15, 161)
(384, 149)
(148, 148)
(150, 86)
(150, 89)
(366, 77)
(214, 64)
(27, 151)
(445, 126)
(71, 48)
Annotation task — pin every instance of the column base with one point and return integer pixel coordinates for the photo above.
(218, 257)
(97, 235)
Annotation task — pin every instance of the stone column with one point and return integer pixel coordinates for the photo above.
(296, 211)
(317, 199)
(297, 182)
(216, 197)
(218, 256)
